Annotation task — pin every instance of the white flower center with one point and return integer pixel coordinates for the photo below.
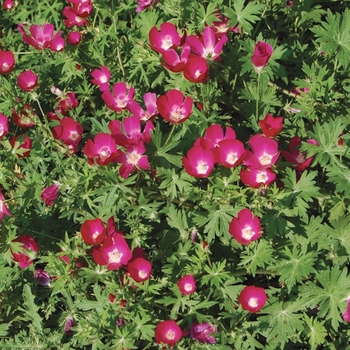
(142, 274)
(114, 256)
(202, 168)
(170, 334)
(261, 177)
(176, 115)
(231, 158)
(265, 159)
(247, 233)
(167, 42)
(188, 287)
(253, 302)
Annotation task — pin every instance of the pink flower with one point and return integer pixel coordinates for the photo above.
(128, 133)
(27, 80)
(214, 134)
(151, 112)
(261, 55)
(207, 45)
(22, 145)
(25, 117)
(255, 178)
(168, 332)
(102, 150)
(4, 125)
(68, 325)
(82, 8)
(120, 98)
(114, 252)
(8, 4)
(42, 277)
(174, 107)
(265, 152)
(72, 19)
(140, 269)
(3, 208)
(74, 38)
(28, 251)
(271, 126)
(132, 158)
(199, 162)
(186, 285)
(229, 153)
(165, 39)
(245, 228)
(221, 26)
(295, 156)
(203, 332)
(50, 194)
(66, 101)
(93, 231)
(101, 77)
(41, 36)
(173, 61)
(346, 313)
(7, 61)
(144, 4)
(252, 298)
(196, 69)
(69, 132)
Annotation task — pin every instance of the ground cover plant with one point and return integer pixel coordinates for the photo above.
(174, 174)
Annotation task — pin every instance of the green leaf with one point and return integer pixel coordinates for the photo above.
(32, 309)
(316, 332)
(299, 264)
(333, 35)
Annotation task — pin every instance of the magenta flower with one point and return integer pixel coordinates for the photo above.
(265, 152)
(196, 69)
(8, 4)
(252, 298)
(173, 61)
(151, 112)
(215, 134)
(207, 46)
(132, 158)
(164, 39)
(69, 132)
(174, 107)
(261, 55)
(229, 153)
(203, 332)
(74, 38)
(168, 332)
(221, 26)
(102, 150)
(199, 162)
(82, 8)
(22, 145)
(3, 208)
(4, 125)
(120, 98)
(93, 231)
(140, 269)
(113, 253)
(50, 194)
(101, 77)
(245, 228)
(42, 277)
(346, 314)
(7, 61)
(271, 126)
(128, 133)
(68, 325)
(76, 14)
(25, 117)
(42, 36)
(186, 285)
(28, 251)
(144, 4)
(255, 178)
(297, 157)
(27, 80)
(66, 101)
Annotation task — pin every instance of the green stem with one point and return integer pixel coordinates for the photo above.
(257, 99)
(170, 134)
